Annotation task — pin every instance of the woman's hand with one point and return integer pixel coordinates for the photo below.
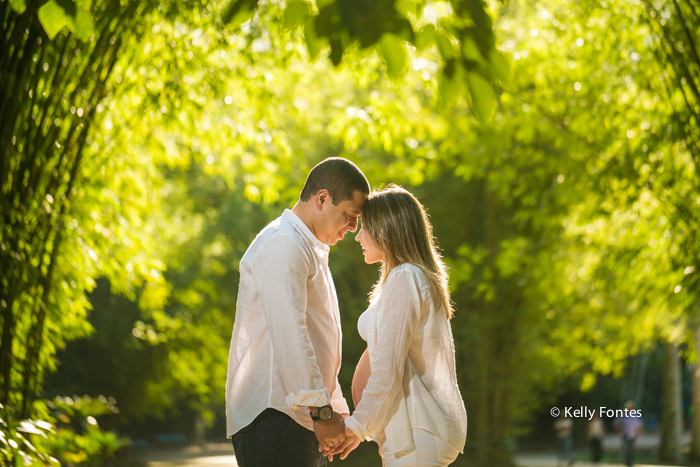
(346, 447)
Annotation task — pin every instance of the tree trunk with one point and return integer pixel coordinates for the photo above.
(671, 416)
(695, 441)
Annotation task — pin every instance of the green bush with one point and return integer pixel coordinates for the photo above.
(78, 439)
(18, 444)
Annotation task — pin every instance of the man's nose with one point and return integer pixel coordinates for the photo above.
(353, 225)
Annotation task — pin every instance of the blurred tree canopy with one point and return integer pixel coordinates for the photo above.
(147, 143)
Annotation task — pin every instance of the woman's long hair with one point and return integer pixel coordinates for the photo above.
(399, 228)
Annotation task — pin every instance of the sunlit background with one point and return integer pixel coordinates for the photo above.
(144, 144)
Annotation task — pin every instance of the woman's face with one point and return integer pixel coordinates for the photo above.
(371, 253)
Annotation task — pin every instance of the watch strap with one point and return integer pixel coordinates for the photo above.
(317, 416)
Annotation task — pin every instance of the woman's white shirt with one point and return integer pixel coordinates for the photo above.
(413, 381)
(362, 323)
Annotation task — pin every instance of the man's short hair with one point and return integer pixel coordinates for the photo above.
(339, 176)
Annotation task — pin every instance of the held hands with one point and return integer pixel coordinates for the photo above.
(346, 447)
(330, 433)
(335, 438)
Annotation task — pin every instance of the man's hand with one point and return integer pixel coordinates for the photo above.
(330, 433)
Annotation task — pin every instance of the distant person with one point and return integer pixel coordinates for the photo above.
(595, 432)
(283, 401)
(564, 429)
(629, 428)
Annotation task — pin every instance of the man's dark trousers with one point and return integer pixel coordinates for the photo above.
(273, 439)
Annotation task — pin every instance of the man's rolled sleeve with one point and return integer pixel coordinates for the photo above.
(309, 398)
(280, 272)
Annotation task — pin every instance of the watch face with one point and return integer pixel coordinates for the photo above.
(325, 413)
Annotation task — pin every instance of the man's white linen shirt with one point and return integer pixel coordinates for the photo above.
(286, 345)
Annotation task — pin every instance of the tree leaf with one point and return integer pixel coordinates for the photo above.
(18, 6)
(314, 44)
(425, 37)
(470, 50)
(296, 13)
(337, 50)
(27, 427)
(81, 24)
(393, 53)
(451, 82)
(445, 46)
(500, 65)
(52, 17)
(327, 21)
(238, 12)
(483, 97)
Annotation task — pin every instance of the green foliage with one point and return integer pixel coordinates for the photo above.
(462, 33)
(54, 15)
(394, 55)
(78, 440)
(237, 13)
(580, 264)
(54, 222)
(295, 14)
(18, 444)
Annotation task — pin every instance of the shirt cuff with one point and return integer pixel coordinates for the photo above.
(357, 428)
(309, 398)
(340, 405)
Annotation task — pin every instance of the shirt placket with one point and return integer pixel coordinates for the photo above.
(332, 299)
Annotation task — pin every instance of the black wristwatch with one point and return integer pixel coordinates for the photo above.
(323, 414)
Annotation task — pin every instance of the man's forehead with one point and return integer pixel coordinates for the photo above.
(355, 205)
(354, 208)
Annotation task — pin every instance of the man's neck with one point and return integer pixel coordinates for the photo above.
(302, 211)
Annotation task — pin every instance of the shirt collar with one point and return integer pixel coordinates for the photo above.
(320, 248)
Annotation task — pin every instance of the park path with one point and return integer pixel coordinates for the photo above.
(222, 459)
(205, 460)
(214, 455)
(550, 460)
(221, 455)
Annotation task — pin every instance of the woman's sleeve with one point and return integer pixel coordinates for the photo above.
(398, 316)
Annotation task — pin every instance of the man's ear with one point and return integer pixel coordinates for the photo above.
(323, 197)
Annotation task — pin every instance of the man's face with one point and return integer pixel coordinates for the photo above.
(338, 220)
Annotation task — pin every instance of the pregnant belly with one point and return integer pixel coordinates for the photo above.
(359, 379)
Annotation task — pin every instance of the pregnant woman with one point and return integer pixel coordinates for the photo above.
(405, 386)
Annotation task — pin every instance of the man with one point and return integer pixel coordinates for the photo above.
(629, 428)
(595, 432)
(283, 400)
(564, 428)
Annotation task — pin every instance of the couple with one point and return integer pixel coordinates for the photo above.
(284, 405)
